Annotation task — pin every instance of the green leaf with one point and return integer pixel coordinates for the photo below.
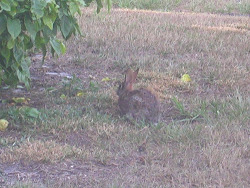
(30, 112)
(5, 52)
(11, 78)
(18, 53)
(87, 2)
(53, 9)
(3, 23)
(25, 64)
(33, 112)
(82, 3)
(63, 48)
(39, 41)
(5, 5)
(109, 3)
(66, 26)
(73, 8)
(32, 27)
(28, 44)
(22, 10)
(99, 5)
(48, 33)
(24, 74)
(21, 76)
(10, 43)
(77, 28)
(13, 11)
(58, 46)
(37, 7)
(14, 27)
(48, 21)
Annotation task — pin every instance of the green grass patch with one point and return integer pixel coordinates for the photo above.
(222, 6)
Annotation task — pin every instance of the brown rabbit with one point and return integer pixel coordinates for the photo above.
(138, 104)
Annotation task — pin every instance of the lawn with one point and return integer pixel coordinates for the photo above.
(80, 140)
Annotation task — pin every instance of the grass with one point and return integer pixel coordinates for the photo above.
(38, 151)
(222, 6)
(202, 139)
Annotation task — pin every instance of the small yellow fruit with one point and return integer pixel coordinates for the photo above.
(186, 78)
(3, 124)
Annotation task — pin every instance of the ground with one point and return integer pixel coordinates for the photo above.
(80, 140)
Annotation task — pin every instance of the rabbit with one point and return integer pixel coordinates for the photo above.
(140, 104)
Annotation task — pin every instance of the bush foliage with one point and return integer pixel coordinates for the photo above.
(25, 24)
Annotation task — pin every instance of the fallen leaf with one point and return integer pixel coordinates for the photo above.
(79, 94)
(106, 79)
(20, 100)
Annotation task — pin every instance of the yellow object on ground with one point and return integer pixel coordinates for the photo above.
(106, 79)
(20, 100)
(79, 94)
(3, 124)
(186, 78)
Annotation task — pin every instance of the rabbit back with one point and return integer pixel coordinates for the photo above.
(140, 105)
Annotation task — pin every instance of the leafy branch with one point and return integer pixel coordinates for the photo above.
(26, 24)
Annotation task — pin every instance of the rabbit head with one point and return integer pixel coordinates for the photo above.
(127, 84)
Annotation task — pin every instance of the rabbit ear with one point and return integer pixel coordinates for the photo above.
(129, 79)
(135, 74)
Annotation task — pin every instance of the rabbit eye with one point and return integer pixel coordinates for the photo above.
(121, 86)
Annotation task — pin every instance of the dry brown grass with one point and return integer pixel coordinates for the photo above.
(104, 150)
(214, 48)
(39, 151)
